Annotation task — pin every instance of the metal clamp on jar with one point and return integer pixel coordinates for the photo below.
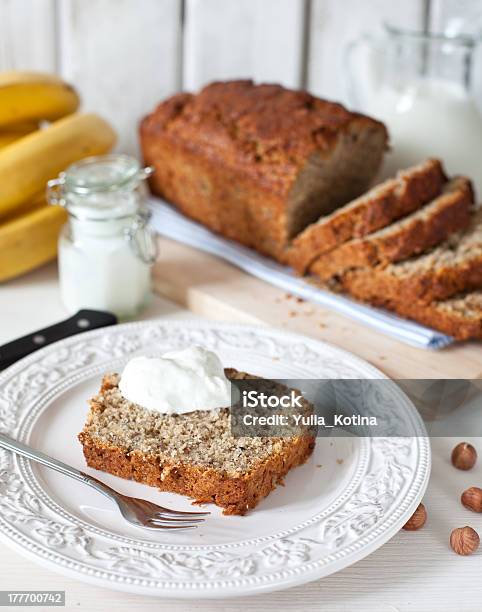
(106, 248)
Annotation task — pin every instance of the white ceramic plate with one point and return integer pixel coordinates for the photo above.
(349, 498)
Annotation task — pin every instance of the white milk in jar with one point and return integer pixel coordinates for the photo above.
(105, 249)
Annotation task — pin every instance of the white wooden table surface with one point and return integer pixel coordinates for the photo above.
(413, 572)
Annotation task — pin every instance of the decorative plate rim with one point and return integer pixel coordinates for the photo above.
(25, 468)
(211, 575)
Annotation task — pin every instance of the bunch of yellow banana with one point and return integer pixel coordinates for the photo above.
(16, 131)
(33, 152)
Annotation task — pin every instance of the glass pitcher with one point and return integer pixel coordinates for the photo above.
(421, 86)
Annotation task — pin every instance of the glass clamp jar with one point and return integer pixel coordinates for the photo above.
(106, 248)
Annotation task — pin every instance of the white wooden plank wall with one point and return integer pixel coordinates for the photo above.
(122, 55)
(27, 35)
(456, 16)
(243, 38)
(333, 24)
(126, 55)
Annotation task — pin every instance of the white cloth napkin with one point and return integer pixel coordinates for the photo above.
(170, 223)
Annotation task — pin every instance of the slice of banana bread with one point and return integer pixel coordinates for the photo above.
(194, 454)
(454, 266)
(258, 163)
(460, 316)
(375, 209)
(447, 213)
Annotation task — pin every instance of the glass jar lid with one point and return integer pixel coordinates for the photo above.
(102, 174)
(100, 188)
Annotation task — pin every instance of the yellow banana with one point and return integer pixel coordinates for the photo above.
(15, 132)
(27, 165)
(38, 201)
(30, 239)
(34, 96)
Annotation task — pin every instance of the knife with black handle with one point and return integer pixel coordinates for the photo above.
(84, 320)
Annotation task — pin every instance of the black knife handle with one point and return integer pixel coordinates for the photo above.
(84, 320)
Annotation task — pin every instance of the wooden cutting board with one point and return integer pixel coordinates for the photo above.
(213, 288)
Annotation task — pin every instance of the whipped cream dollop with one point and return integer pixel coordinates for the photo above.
(178, 382)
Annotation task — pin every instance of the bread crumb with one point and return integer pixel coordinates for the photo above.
(300, 300)
(321, 325)
(339, 461)
(292, 313)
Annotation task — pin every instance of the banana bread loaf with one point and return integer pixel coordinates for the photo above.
(453, 267)
(447, 213)
(372, 211)
(193, 454)
(258, 163)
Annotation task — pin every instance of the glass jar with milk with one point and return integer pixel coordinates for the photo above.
(105, 249)
(421, 86)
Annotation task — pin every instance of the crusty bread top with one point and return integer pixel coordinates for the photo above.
(456, 250)
(452, 267)
(428, 226)
(265, 130)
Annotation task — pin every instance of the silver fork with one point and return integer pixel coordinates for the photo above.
(138, 512)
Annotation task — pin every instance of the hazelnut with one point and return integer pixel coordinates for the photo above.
(464, 540)
(417, 520)
(464, 456)
(472, 499)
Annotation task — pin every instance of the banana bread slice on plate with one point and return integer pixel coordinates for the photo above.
(193, 454)
(452, 267)
(383, 204)
(447, 213)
